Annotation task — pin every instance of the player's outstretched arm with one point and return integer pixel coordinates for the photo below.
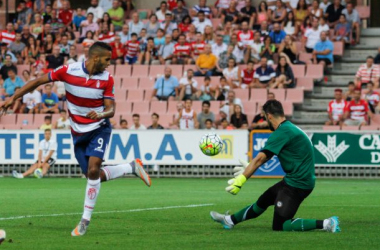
(28, 87)
(109, 110)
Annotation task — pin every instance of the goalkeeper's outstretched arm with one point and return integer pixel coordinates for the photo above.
(259, 160)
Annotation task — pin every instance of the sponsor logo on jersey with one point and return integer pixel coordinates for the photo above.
(98, 84)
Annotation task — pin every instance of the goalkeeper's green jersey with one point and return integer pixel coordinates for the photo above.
(295, 152)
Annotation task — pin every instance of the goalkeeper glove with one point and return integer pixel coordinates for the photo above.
(235, 184)
(240, 170)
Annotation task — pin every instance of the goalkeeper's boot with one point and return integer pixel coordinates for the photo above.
(333, 225)
(221, 218)
(140, 172)
(81, 228)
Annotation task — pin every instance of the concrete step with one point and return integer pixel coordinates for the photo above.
(370, 32)
(343, 72)
(362, 46)
(307, 121)
(309, 115)
(335, 84)
(309, 127)
(351, 66)
(342, 78)
(369, 41)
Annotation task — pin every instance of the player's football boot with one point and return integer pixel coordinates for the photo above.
(38, 173)
(17, 175)
(140, 172)
(80, 229)
(221, 218)
(333, 225)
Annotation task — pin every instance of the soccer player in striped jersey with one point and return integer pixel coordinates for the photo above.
(90, 101)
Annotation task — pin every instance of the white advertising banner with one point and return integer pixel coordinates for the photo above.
(166, 147)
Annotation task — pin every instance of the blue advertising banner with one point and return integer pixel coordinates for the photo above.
(271, 168)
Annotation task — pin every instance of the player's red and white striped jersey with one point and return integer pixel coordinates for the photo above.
(8, 37)
(358, 111)
(132, 48)
(245, 38)
(185, 48)
(107, 38)
(83, 94)
(336, 108)
(373, 98)
(198, 48)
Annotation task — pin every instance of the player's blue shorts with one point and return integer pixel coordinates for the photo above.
(93, 143)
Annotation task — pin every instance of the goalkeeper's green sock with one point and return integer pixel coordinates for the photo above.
(247, 213)
(302, 225)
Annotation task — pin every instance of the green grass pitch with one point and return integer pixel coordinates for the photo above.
(356, 202)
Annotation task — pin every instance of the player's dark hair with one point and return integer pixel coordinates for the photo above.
(48, 117)
(274, 108)
(97, 47)
(207, 103)
(155, 114)
(136, 115)
(47, 130)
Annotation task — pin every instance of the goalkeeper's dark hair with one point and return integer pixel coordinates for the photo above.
(99, 47)
(274, 108)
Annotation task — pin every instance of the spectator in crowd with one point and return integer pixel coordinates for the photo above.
(316, 11)
(221, 92)
(31, 102)
(155, 124)
(264, 76)
(267, 50)
(47, 123)
(224, 57)
(205, 115)
(7, 66)
(88, 40)
(206, 63)
(175, 35)
(46, 15)
(190, 35)
(105, 4)
(182, 51)
(135, 25)
(106, 35)
(357, 111)
(333, 12)
(88, 25)
(206, 91)
(209, 124)
(128, 7)
(31, 51)
(136, 123)
(118, 51)
(161, 13)
(277, 34)
(166, 87)
(225, 125)
(17, 47)
(288, 50)
(284, 75)
(201, 7)
(232, 73)
(353, 19)
(37, 26)
(342, 31)
(254, 48)
(123, 124)
(219, 46)
(165, 53)
(24, 15)
(188, 86)
(289, 25)
(180, 12)
(8, 35)
(279, 14)
(368, 72)
(324, 4)
(25, 35)
(271, 96)
(238, 49)
(245, 35)
(184, 25)
(96, 10)
(372, 97)
(197, 47)
(116, 15)
(336, 109)
(259, 121)
(152, 26)
(201, 22)
(323, 51)
(301, 12)
(83, 57)
(47, 154)
(150, 54)
(230, 14)
(349, 95)
(64, 46)
(11, 83)
(228, 105)
(49, 104)
(247, 76)
(66, 14)
(312, 36)
(238, 118)
(55, 59)
(132, 49)
(187, 117)
(62, 122)
(248, 14)
(263, 14)
(168, 25)
(124, 34)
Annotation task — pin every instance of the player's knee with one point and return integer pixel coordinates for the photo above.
(93, 172)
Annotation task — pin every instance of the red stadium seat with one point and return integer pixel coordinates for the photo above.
(259, 95)
(31, 126)
(197, 106)
(331, 128)
(8, 120)
(117, 81)
(314, 71)
(140, 70)
(130, 83)
(157, 70)
(279, 94)
(158, 107)
(243, 94)
(135, 95)
(145, 119)
(375, 120)
(27, 118)
(148, 94)
(172, 107)
(294, 95)
(370, 127)
(186, 67)
(121, 95)
(350, 128)
(39, 119)
(124, 107)
(123, 70)
(250, 107)
(288, 108)
(165, 120)
(305, 83)
(80, 50)
(338, 49)
(298, 70)
(146, 83)
(140, 107)
(305, 57)
(364, 11)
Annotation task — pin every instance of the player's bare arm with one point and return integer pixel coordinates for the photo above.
(109, 111)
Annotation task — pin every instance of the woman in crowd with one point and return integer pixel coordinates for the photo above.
(268, 49)
(262, 15)
(47, 45)
(89, 40)
(288, 50)
(31, 51)
(279, 14)
(208, 36)
(238, 119)
(301, 12)
(38, 26)
(184, 26)
(315, 11)
(289, 25)
(232, 73)
(152, 26)
(284, 75)
(191, 35)
(107, 19)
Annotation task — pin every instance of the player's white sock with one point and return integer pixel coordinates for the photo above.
(116, 171)
(325, 223)
(92, 192)
(229, 220)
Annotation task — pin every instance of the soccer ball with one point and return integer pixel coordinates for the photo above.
(38, 173)
(211, 144)
(2, 235)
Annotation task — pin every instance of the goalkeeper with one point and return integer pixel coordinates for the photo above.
(295, 152)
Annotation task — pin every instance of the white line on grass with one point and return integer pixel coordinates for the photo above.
(107, 212)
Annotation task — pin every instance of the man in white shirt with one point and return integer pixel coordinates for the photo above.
(165, 53)
(88, 25)
(106, 4)
(136, 123)
(219, 46)
(47, 155)
(124, 34)
(188, 86)
(255, 47)
(31, 102)
(135, 26)
(238, 49)
(353, 18)
(201, 22)
(312, 36)
(168, 25)
(96, 10)
(162, 11)
(292, 4)
(228, 105)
